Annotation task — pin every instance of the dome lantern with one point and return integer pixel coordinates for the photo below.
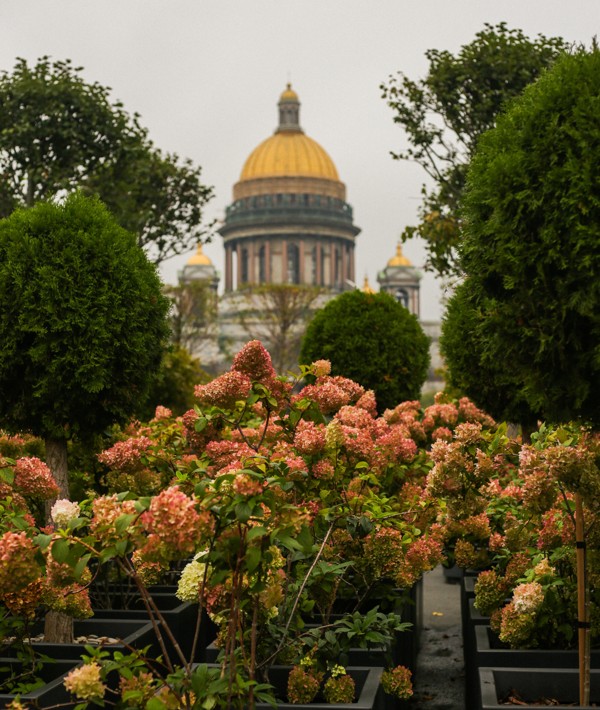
(289, 111)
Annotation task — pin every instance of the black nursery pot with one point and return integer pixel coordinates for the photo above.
(50, 694)
(534, 684)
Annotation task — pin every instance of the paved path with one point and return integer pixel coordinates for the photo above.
(439, 682)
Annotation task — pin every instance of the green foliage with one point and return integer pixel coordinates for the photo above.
(444, 114)
(159, 197)
(173, 384)
(372, 339)
(59, 133)
(480, 375)
(82, 320)
(532, 240)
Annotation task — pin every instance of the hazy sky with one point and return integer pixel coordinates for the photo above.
(206, 75)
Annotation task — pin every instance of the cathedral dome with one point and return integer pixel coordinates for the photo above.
(399, 259)
(199, 258)
(289, 154)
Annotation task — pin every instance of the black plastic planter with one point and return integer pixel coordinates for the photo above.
(533, 685)
(52, 693)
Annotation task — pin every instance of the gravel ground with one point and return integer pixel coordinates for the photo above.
(439, 682)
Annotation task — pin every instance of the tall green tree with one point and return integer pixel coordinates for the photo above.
(59, 133)
(472, 369)
(82, 324)
(372, 339)
(531, 240)
(444, 114)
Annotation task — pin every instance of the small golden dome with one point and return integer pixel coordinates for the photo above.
(290, 154)
(367, 286)
(399, 259)
(199, 258)
(289, 94)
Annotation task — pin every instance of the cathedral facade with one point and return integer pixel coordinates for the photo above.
(288, 223)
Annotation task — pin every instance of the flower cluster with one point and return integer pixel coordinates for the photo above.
(63, 511)
(397, 682)
(173, 525)
(34, 478)
(85, 682)
(126, 455)
(18, 566)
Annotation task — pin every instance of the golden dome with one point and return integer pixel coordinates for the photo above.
(289, 94)
(290, 154)
(199, 258)
(367, 286)
(399, 259)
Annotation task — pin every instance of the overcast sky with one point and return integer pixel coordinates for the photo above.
(206, 75)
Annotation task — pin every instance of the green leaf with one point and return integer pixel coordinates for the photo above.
(252, 558)
(60, 550)
(258, 531)
(243, 512)
(42, 541)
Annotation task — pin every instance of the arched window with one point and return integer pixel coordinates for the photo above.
(401, 296)
(293, 264)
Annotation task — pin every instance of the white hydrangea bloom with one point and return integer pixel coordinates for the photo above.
(528, 597)
(191, 578)
(63, 511)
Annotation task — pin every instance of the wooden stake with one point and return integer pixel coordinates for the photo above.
(582, 606)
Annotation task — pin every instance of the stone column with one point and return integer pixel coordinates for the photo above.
(251, 265)
(301, 274)
(284, 261)
(268, 261)
(332, 260)
(228, 268)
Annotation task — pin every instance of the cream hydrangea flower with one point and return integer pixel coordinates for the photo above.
(85, 682)
(192, 576)
(63, 511)
(528, 597)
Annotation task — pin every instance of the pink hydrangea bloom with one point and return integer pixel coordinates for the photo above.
(309, 438)
(224, 391)
(105, 511)
(246, 485)
(126, 455)
(34, 478)
(254, 361)
(18, 566)
(442, 414)
(162, 413)
(172, 517)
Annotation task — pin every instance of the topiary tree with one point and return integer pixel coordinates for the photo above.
(531, 241)
(372, 339)
(82, 324)
(486, 380)
(532, 255)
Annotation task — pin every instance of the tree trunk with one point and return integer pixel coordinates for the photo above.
(58, 627)
(56, 458)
